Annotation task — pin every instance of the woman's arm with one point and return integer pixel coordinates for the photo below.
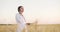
(18, 18)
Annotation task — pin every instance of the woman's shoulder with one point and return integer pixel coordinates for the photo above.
(18, 15)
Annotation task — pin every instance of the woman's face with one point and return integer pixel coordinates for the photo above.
(21, 10)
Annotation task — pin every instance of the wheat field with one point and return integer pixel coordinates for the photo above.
(31, 28)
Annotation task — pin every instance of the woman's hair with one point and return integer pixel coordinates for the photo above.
(19, 8)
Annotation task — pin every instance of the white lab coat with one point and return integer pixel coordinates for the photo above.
(21, 24)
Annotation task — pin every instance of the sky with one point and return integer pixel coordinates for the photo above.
(44, 11)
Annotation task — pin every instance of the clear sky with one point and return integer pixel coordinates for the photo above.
(45, 11)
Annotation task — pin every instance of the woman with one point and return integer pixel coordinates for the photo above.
(21, 24)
